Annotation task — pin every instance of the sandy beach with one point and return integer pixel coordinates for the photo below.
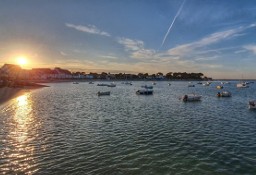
(8, 93)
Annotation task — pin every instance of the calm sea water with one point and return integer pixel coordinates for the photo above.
(68, 129)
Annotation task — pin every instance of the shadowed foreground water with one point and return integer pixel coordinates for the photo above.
(68, 129)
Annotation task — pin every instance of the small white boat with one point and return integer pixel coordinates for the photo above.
(242, 85)
(91, 82)
(207, 84)
(128, 83)
(144, 92)
(154, 83)
(191, 97)
(75, 83)
(169, 84)
(224, 94)
(103, 93)
(111, 85)
(252, 104)
(102, 84)
(226, 82)
(219, 87)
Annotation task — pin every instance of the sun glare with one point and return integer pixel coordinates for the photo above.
(22, 60)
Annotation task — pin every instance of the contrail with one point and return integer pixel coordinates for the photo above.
(174, 19)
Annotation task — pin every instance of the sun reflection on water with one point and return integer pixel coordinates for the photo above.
(21, 131)
(22, 117)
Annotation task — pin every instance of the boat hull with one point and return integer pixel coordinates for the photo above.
(147, 87)
(191, 98)
(252, 104)
(242, 85)
(103, 93)
(224, 94)
(144, 92)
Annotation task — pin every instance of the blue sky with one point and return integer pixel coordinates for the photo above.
(215, 37)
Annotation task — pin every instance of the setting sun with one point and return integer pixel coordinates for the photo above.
(22, 60)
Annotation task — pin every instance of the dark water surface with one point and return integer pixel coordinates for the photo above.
(68, 129)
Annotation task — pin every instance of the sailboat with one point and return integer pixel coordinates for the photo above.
(242, 84)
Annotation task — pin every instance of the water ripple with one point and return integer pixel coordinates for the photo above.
(68, 129)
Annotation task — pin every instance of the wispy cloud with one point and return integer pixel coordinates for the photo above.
(219, 50)
(194, 56)
(207, 58)
(63, 53)
(208, 40)
(251, 48)
(130, 44)
(108, 56)
(240, 51)
(136, 48)
(211, 66)
(88, 29)
(192, 50)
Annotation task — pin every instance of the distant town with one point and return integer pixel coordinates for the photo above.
(10, 73)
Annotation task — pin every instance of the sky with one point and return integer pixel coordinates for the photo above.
(215, 37)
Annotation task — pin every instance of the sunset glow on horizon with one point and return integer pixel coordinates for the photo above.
(22, 60)
(213, 37)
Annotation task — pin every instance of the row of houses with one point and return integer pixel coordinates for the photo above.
(12, 71)
(16, 72)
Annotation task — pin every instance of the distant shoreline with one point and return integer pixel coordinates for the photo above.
(111, 80)
(120, 80)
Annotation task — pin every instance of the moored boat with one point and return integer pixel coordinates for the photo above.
(191, 97)
(242, 85)
(144, 92)
(219, 87)
(252, 104)
(128, 83)
(103, 93)
(147, 87)
(75, 83)
(102, 84)
(111, 85)
(207, 84)
(224, 94)
(191, 85)
(108, 85)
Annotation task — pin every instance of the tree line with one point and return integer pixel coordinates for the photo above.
(145, 76)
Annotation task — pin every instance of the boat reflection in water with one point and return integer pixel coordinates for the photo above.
(20, 152)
